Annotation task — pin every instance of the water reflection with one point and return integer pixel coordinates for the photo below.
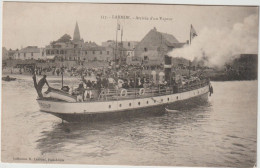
(141, 130)
(220, 133)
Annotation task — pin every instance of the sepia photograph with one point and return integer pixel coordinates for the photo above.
(129, 84)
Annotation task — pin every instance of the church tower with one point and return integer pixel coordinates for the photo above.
(76, 36)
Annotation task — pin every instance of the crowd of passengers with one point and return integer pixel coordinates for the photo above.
(133, 79)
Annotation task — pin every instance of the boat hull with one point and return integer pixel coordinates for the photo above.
(109, 110)
(132, 113)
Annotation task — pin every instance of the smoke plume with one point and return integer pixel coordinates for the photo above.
(217, 46)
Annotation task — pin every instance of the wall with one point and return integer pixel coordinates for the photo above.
(28, 55)
(153, 41)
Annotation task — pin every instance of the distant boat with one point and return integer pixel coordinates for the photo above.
(8, 78)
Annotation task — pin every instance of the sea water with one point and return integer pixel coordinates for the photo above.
(222, 132)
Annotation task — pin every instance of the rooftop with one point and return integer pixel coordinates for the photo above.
(30, 49)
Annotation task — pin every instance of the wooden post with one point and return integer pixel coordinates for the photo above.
(62, 79)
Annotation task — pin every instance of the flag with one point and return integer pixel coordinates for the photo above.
(192, 32)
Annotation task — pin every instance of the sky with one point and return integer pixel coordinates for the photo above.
(37, 24)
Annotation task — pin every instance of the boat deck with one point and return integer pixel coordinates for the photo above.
(134, 93)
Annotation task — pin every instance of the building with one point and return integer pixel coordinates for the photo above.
(4, 53)
(30, 52)
(152, 48)
(97, 53)
(65, 48)
(76, 49)
(127, 46)
(8, 54)
(123, 49)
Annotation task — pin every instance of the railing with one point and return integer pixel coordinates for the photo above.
(121, 94)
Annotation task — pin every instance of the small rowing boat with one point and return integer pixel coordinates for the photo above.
(8, 78)
(171, 111)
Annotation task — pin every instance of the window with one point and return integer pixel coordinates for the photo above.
(130, 104)
(128, 44)
(107, 52)
(24, 54)
(145, 49)
(86, 52)
(31, 54)
(93, 52)
(139, 103)
(52, 52)
(147, 102)
(109, 106)
(146, 58)
(100, 52)
(120, 105)
(42, 53)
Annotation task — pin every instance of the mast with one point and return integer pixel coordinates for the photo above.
(117, 27)
(121, 48)
(62, 78)
(189, 67)
(62, 69)
(190, 37)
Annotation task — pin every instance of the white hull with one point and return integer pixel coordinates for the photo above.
(97, 107)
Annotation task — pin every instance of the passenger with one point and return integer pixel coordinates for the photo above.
(89, 84)
(93, 84)
(175, 87)
(125, 84)
(80, 91)
(105, 82)
(99, 83)
(84, 80)
(132, 84)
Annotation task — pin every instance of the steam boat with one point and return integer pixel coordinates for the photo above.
(101, 103)
(111, 102)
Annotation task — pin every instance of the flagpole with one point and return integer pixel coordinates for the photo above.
(116, 41)
(121, 44)
(190, 34)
